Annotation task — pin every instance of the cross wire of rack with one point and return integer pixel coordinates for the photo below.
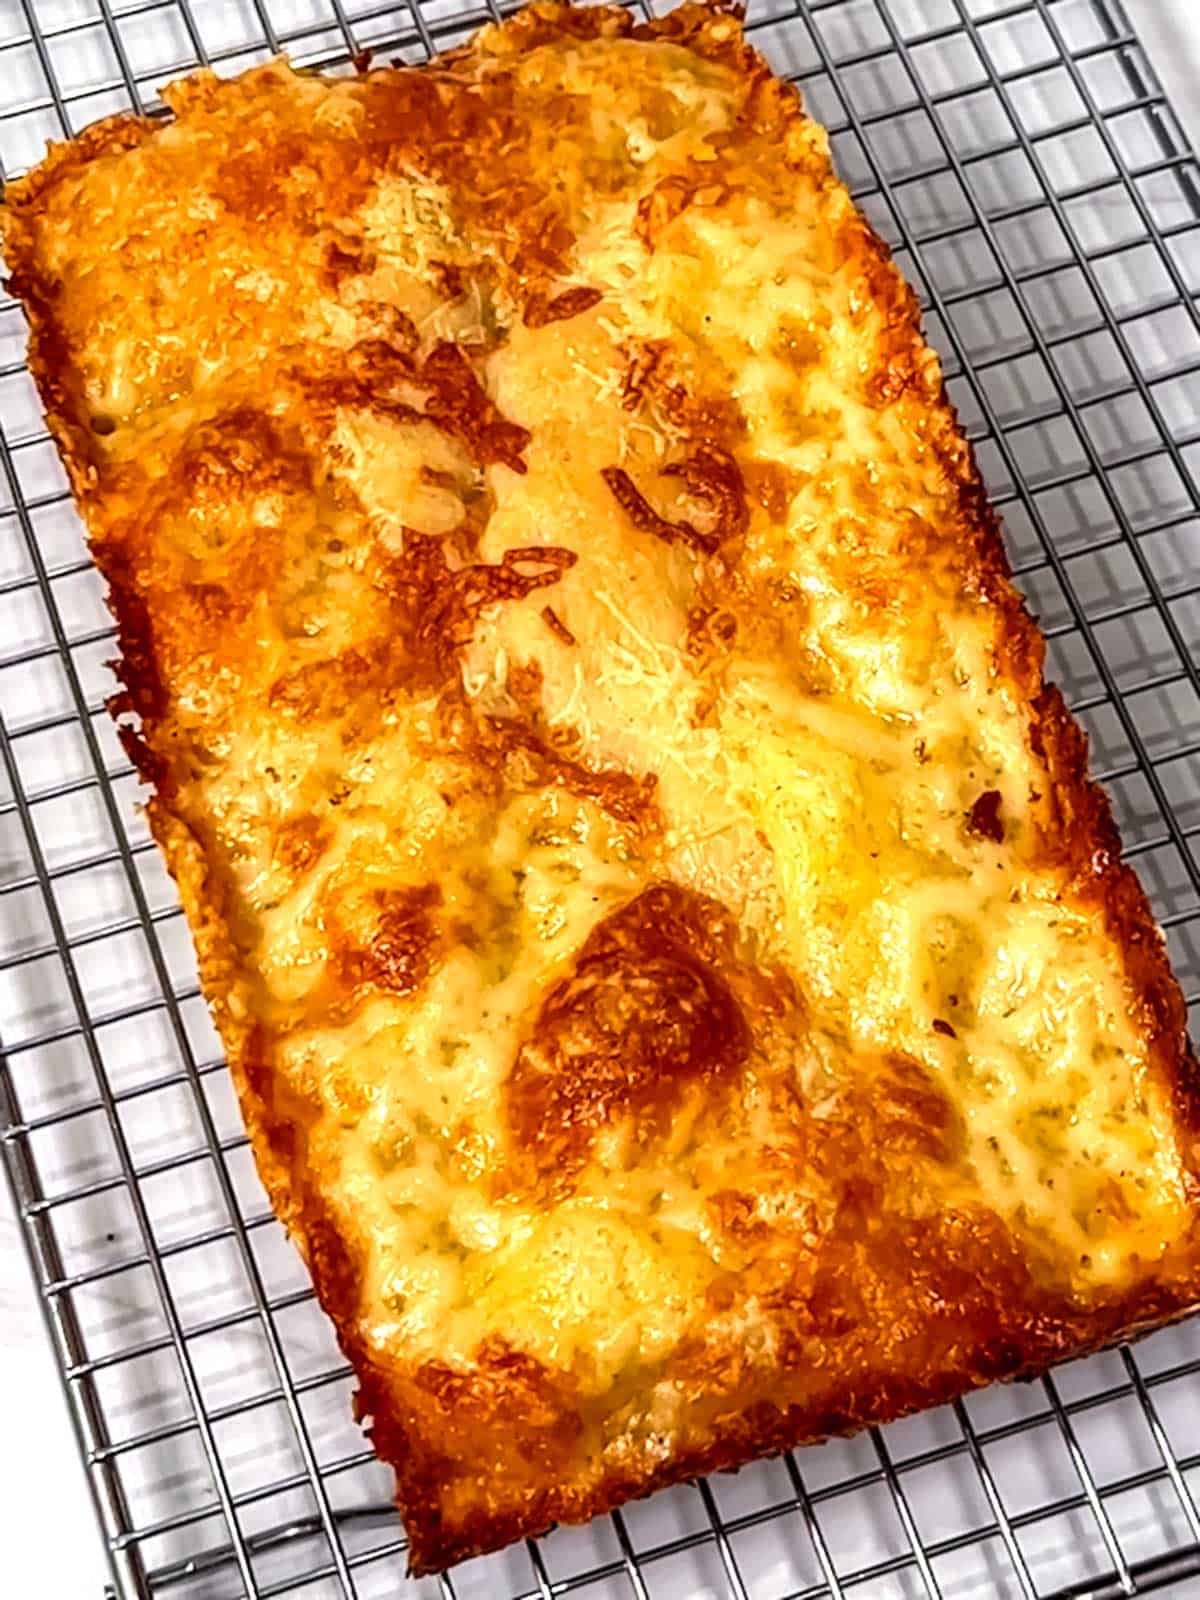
(1022, 161)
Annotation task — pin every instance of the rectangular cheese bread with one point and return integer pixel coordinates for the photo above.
(682, 986)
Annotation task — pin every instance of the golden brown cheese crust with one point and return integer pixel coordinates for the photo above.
(682, 986)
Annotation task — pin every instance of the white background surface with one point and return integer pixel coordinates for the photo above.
(47, 1534)
(1170, 30)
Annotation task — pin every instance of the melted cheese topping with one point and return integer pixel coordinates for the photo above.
(592, 948)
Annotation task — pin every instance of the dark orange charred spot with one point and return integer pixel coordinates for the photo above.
(322, 689)
(984, 817)
(437, 605)
(300, 843)
(399, 954)
(346, 259)
(645, 1014)
(713, 476)
(643, 364)
(772, 485)
(644, 517)
(524, 686)
(451, 279)
(459, 403)
(240, 449)
(508, 1415)
(213, 560)
(541, 311)
(532, 761)
(557, 626)
(672, 196)
(799, 346)
(383, 375)
(911, 1114)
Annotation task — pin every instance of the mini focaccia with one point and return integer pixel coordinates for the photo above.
(682, 986)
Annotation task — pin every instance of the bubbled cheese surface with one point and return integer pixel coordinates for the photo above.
(567, 652)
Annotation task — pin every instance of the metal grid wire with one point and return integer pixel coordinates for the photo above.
(1022, 161)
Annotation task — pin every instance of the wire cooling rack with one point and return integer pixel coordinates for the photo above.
(1023, 162)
